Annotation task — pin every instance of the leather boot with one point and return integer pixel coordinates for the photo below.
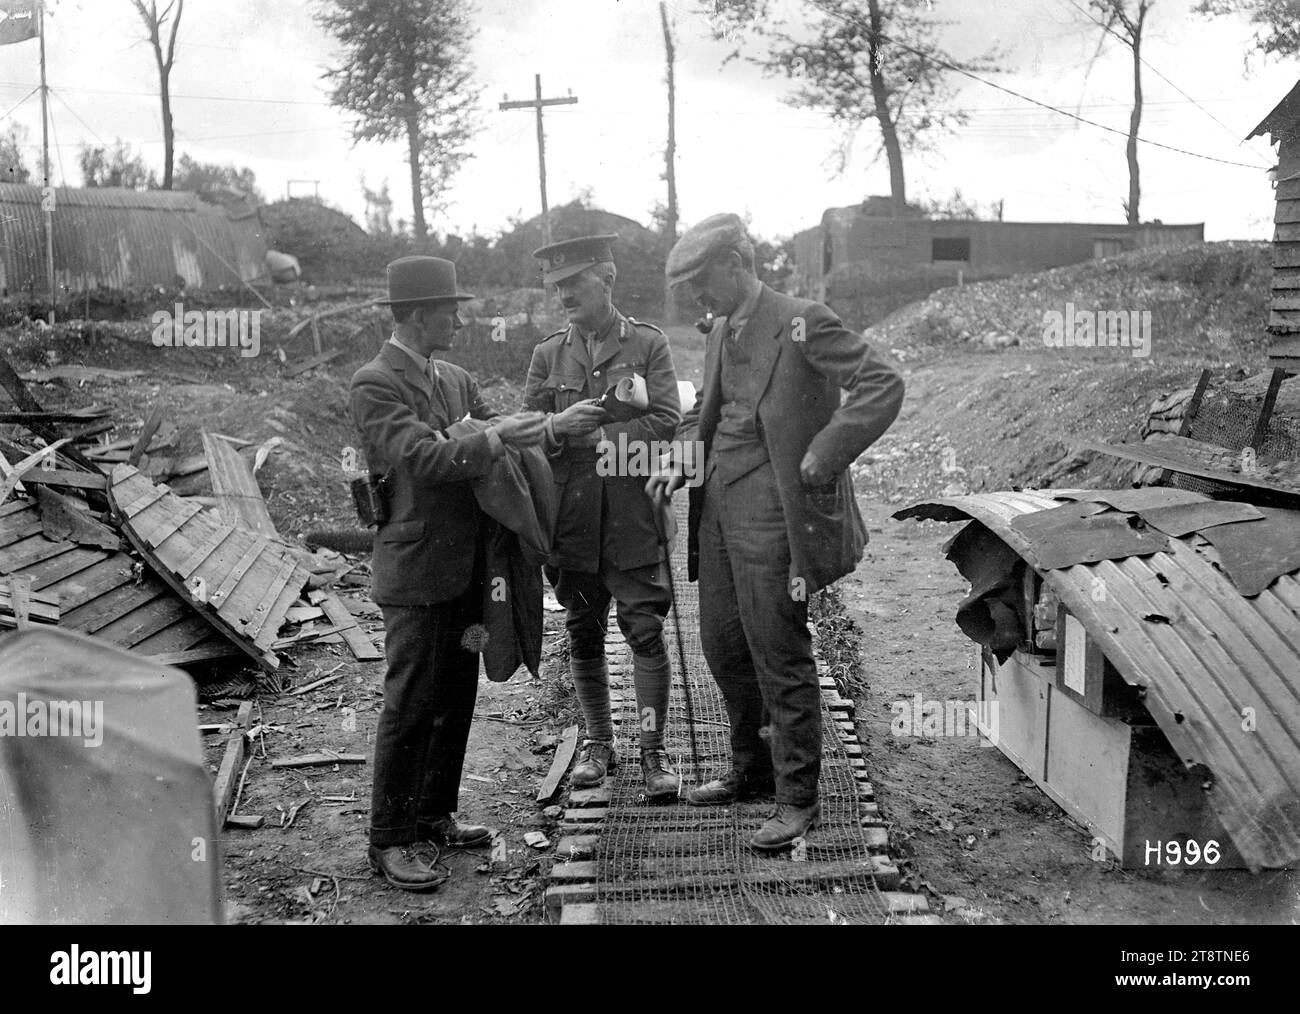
(785, 825)
(597, 759)
(661, 781)
(402, 867)
(733, 787)
(447, 831)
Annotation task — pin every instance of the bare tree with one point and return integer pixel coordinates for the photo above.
(155, 24)
(1126, 21)
(879, 60)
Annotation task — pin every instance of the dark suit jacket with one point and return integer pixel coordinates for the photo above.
(805, 356)
(425, 553)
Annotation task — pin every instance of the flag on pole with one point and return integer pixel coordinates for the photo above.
(18, 21)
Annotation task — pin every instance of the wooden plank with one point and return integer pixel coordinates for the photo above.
(239, 498)
(563, 758)
(19, 526)
(236, 574)
(90, 582)
(65, 565)
(150, 427)
(186, 568)
(245, 821)
(1145, 455)
(313, 362)
(717, 875)
(147, 620)
(231, 762)
(30, 550)
(308, 760)
(15, 507)
(144, 501)
(1288, 299)
(178, 519)
(358, 642)
(43, 417)
(1286, 211)
(65, 477)
(101, 611)
(193, 630)
(181, 659)
(274, 588)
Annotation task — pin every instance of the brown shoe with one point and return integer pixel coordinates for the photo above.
(661, 781)
(402, 867)
(597, 759)
(449, 832)
(786, 824)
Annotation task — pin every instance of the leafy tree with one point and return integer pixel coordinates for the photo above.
(860, 61)
(405, 75)
(155, 25)
(1277, 22)
(215, 183)
(118, 166)
(13, 169)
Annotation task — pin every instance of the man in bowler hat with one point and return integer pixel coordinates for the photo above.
(428, 566)
(776, 518)
(607, 542)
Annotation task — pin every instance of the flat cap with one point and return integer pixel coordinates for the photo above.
(699, 243)
(568, 257)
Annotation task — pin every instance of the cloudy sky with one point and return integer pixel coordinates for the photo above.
(247, 89)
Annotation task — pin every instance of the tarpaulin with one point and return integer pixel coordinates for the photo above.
(106, 810)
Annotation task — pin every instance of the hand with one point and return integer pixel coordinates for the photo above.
(523, 429)
(664, 486)
(578, 419)
(814, 472)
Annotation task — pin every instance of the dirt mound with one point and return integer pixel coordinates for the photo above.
(1207, 303)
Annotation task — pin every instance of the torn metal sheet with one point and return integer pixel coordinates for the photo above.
(1257, 553)
(1185, 518)
(1084, 532)
(1137, 501)
(1218, 654)
(61, 519)
(990, 614)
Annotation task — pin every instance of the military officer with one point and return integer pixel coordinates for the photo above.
(606, 543)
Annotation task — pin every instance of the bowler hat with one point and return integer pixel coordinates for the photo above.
(421, 280)
(568, 257)
(691, 254)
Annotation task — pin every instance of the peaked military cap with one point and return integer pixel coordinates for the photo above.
(565, 259)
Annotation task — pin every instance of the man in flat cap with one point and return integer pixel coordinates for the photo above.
(606, 543)
(428, 566)
(776, 518)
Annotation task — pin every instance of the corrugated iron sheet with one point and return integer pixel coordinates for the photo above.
(119, 239)
(1214, 654)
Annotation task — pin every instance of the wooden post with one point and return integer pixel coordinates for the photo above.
(537, 104)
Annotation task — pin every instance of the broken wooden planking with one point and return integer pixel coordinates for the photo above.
(363, 649)
(309, 760)
(563, 758)
(224, 787)
(238, 496)
(228, 573)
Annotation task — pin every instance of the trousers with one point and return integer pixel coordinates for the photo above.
(754, 631)
(429, 693)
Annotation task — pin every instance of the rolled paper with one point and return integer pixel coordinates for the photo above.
(632, 391)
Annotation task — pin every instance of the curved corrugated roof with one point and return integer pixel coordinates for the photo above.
(1218, 654)
(118, 239)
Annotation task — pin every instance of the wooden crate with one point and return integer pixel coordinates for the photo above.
(1118, 776)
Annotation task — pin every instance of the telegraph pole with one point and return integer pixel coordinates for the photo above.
(47, 191)
(537, 103)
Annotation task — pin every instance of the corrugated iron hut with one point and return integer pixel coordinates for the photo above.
(118, 239)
